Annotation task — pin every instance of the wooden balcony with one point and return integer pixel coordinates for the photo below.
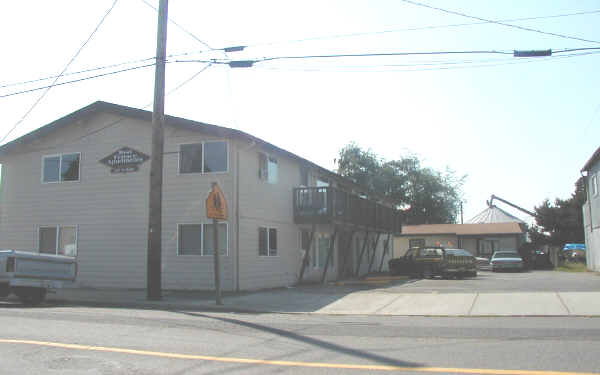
(327, 205)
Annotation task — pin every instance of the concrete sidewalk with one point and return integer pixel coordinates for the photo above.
(323, 300)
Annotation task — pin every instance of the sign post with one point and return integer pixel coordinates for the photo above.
(216, 209)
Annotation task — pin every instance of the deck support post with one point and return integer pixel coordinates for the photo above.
(385, 250)
(364, 246)
(329, 254)
(374, 252)
(306, 257)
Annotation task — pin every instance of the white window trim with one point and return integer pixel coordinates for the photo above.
(57, 227)
(59, 169)
(202, 223)
(203, 148)
(594, 183)
(277, 249)
(267, 157)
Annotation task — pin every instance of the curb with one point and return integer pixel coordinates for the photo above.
(173, 306)
(164, 306)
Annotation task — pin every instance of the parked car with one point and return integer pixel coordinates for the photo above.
(427, 262)
(506, 260)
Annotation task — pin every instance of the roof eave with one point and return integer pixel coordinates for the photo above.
(592, 160)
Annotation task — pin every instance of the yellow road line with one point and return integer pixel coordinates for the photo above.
(291, 363)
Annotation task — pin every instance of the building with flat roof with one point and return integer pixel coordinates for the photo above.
(480, 239)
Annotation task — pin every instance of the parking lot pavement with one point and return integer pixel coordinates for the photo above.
(496, 282)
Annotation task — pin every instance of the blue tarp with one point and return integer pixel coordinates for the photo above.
(574, 246)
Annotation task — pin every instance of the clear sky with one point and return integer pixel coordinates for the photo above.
(519, 128)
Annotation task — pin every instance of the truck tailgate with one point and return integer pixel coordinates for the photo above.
(42, 266)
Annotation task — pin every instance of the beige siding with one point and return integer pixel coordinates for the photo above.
(184, 198)
(262, 204)
(108, 209)
(111, 210)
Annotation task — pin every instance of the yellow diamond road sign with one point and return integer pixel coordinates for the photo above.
(216, 205)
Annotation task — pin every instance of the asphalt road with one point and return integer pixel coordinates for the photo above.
(489, 282)
(83, 340)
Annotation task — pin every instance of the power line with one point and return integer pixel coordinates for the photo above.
(351, 35)
(181, 27)
(116, 122)
(78, 72)
(61, 73)
(183, 83)
(99, 68)
(499, 22)
(249, 63)
(73, 81)
(380, 55)
(420, 67)
(266, 59)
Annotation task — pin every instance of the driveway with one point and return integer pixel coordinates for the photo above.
(497, 282)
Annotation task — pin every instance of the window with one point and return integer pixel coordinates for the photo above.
(488, 247)
(61, 240)
(416, 242)
(594, 186)
(267, 241)
(206, 157)
(303, 176)
(197, 239)
(268, 168)
(60, 168)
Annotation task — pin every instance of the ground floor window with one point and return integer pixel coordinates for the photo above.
(58, 240)
(416, 242)
(198, 239)
(267, 241)
(487, 247)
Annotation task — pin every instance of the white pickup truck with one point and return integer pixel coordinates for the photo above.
(29, 276)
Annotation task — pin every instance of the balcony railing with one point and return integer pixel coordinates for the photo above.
(322, 205)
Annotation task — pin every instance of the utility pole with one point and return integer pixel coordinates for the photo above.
(154, 254)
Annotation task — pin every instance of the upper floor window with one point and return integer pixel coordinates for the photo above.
(59, 168)
(205, 157)
(268, 168)
(594, 186)
(303, 176)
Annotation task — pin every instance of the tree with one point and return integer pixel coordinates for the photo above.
(428, 196)
(561, 222)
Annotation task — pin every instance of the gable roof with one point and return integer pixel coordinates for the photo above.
(463, 229)
(218, 131)
(493, 214)
(595, 157)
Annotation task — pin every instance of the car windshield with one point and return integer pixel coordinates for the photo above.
(506, 255)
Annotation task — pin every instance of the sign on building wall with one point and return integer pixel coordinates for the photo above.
(124, 160)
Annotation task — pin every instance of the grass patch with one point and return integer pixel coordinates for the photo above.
(572, 267)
